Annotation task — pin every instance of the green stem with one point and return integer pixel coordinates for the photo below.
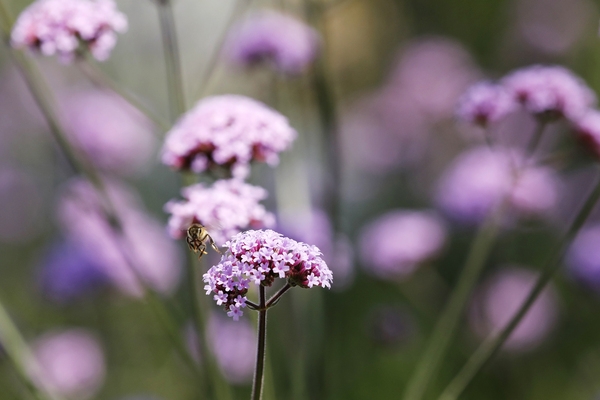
(261, 347)
(491, 346)
(447, 324)
(239, 9)
(99, 78)
(19, 353)
(172, 59)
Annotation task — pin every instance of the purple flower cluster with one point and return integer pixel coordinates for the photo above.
(548, 92)
(260, 257)
(289, 44)
(65, 26)
(228, 131)
(485, 102)
(226, 207)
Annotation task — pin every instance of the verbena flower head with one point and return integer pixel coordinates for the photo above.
(67, 363)
(65, 26)
(499, 298)
(587, 130)
(480, 178)
(485, 103)
(395, 244)
(225, 208)
(550, 91)
(114, 136)
(228, 131)
(286, 42)
(259, 257)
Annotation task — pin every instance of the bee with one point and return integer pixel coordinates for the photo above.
(197, 236)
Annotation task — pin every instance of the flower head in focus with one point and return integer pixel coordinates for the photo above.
(286, 42)
(144, 245)
(114, 136)
(481, 178)
(226, 208)
(67, 363)
(550, 92)
(499, 298)
(395, 244)
(63, 27)
(227, 131)
(485, 103)
(259, 257)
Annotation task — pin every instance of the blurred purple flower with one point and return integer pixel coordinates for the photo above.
(286, 42)
(156, 257)
(480, 178)
(229, 131)
(21, 206)
(225, 208)
(64, 26)
(550, 91)
(68, 363)
(260, 257)
(68, 272)
(434, 73)
(484, 103)
(396, 243)
(234, 347)
(314, 227)
(499, 298)
(583, 258)
(114, 136)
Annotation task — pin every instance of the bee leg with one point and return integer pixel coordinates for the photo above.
(191, 244)
(213, 245)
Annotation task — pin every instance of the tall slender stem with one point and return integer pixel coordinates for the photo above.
(20, 354)
(176, 89)
(99, 78)
(491, 346)
(262, 343)
(447, 324)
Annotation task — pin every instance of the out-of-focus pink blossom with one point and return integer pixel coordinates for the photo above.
(234, 347)
(112, 134)
(434, 73)
(144, 246)
(583, 257)
(227, 131)
(286, 42)
(484, 103)
(260, 257)
(64, 27)
(550, 91)
(498, 300)
(396, 243)
(225, 208)
(67, 363)
(480, 178)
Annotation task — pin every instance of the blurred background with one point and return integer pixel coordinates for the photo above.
(395, 69)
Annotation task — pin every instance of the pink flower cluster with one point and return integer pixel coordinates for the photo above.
(227, 131)
(62, 26)
(548, 92)
(226, 207)
(260, 257)
(289, 44)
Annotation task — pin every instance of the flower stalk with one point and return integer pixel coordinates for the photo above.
(261, 346)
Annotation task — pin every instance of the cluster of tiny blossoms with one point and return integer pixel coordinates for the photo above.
(226, 207)
(260, 257)
(548, 92)
(62, 26)
(227, 131)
